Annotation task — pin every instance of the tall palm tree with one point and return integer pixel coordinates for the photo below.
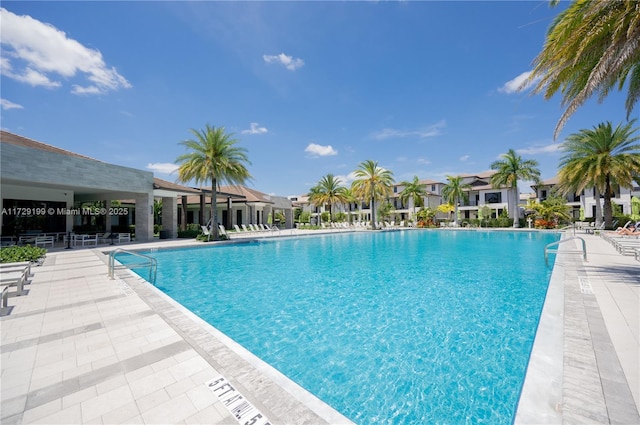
(510, 169)
(453, 192)
(213, 157)
(602, 156)
(413, 190)
(329, 191)
(350, 199)
(372, 183)
(591, 47)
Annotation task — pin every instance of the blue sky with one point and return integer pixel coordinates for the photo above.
(426, 89)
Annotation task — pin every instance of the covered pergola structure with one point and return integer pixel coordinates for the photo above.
(45, 189)
(41, 185)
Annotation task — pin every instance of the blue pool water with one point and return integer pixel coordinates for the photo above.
(400, 327)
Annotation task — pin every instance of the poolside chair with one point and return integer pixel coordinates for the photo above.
(592, 230)
(206, 232)
(15, 278)
(223, 231)
(18, 266)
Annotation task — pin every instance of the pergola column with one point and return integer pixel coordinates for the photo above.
(108, 218)
(288, 218)
(170, 216)
(144, 217)
(229, 213)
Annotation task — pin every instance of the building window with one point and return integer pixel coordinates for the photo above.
(543, 195)
(395, 189)
(433, 187)
(493, 198)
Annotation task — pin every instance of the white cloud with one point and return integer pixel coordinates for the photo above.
(36, 53)
(551, 148)
(162, 167)
(391, 133)
(516, 85)
(464, 158)
(346, 180)
(319, 150)
(7, 104)
(255, 129)
(424, 161)
(288, 62)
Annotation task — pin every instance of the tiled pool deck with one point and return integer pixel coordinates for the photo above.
(81, 348)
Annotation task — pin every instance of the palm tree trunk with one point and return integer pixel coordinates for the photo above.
(516, 215)
(373, 214)
(455, 213)
(214, 209)
(608, 211)
(414, 211)
(596, 194)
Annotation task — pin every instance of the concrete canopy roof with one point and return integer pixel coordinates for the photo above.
(26, 162)
(167, 189)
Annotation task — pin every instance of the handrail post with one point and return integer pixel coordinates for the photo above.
(584, 247)
(152, 263)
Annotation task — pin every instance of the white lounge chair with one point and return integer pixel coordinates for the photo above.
(592, 230)
(223, 231)
(20, 265)
(15, 278)
(206, 232)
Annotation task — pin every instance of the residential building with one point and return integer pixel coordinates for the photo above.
(586, 200)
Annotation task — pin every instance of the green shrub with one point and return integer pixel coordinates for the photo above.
(189, 233)
(13, 254)
(305, 217)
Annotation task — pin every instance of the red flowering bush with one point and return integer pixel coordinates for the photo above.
(544, 224)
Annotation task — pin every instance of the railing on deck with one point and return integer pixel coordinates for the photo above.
(149, 262)
(548, 251)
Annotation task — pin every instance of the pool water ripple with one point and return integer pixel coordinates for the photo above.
(387, 328)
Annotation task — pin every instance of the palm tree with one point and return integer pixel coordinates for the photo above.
(554, 208)
(350, 199)
(213, 157)
(453, 192)
(591, 47)
(601, 157)
(414, 190)
(328, 191)
(372, 183)
(510, 169)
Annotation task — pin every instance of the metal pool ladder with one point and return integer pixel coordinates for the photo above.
(148, 262)
(548, 251)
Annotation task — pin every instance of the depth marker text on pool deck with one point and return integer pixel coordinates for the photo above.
(241, 408)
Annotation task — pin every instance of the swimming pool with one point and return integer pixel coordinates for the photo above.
(386, 327)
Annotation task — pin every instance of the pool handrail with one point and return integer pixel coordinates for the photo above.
(151, 262)
(555, 251)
